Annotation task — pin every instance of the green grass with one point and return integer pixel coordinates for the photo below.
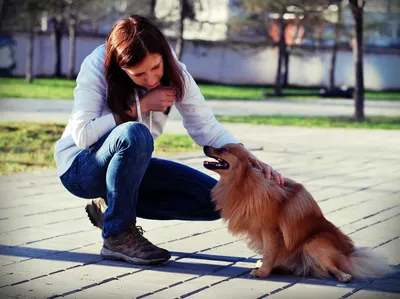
(373, 122)
(63, 89)
(222, 92)
(39, 89)
(29, 146)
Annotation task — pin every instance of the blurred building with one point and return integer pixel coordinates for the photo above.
(215, 21)
(382, 23)
(216, 52)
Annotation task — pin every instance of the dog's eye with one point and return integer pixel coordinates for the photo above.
(223, 149)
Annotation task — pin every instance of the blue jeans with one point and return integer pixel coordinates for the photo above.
(119, 167)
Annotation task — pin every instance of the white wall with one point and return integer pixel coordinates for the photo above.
(225, 65)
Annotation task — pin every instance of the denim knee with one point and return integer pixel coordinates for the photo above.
(136, 136)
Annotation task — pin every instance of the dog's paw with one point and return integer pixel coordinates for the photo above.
(345, 277)
(259, 273)
(258, 264)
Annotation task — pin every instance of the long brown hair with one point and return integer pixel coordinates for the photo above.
(127, 44)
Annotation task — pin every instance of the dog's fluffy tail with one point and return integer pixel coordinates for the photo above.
(365, 264)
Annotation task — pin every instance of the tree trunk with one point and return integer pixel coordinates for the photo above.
(3, 12)
(285, 83)
(335, 47)
(180, 42)
(153, 9)
(278, 78)
(72, 48)
(358, 60)
(29, 56)
(57, 35)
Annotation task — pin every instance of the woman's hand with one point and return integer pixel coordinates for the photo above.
(158, 99)
(267, 170)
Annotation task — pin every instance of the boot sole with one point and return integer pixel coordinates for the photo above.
(117, 256)
(90, 211)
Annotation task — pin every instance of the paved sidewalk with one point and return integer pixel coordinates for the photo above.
(49, 249)
(59, 110)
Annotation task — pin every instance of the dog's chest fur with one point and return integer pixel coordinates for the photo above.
(245, 210)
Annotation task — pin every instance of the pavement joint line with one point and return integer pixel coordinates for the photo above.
(355, 204)
(218, 282)
(247, 271)
(50, 254)
(86, 245)
(46, 212)
(360, 219)
(59, 252)
(35, 194)
(196, 277)
(41, 185)
(344, 296)
(52, 211)
(34, 200)
(371, 215)
(278, 290)
(324, 168)
(140, 270)
(101, 259)
(44, 224)
(380, 221)
(316, 171)
(178, 258)
(14, 207)
(386, 242)
(349, 193)
(45, 239)
(64, 251)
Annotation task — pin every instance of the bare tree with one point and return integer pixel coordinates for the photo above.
(357, 9)
(55, 9)
(29, 10)
(72, 12)
(152, 14)
(76, 11)
(186, 11)
(3, 12)
(338, 26)
(261, 13)
(29, 53)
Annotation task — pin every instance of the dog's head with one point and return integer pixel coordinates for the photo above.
(230, 158)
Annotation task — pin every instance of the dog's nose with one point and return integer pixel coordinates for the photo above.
(206, 149)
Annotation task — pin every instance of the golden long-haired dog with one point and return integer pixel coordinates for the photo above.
(284, 224)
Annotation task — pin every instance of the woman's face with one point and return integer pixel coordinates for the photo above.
(148, 73)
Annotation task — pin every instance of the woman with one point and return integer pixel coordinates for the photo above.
(124, 91)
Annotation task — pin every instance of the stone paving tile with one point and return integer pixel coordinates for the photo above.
(391, 251)
(354, 178)
(366, 294)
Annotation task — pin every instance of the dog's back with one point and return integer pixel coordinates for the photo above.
(300, 218)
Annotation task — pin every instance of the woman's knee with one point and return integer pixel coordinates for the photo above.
(136, 136)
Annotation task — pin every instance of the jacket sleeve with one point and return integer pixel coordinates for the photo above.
(88, 122)
(198, 117)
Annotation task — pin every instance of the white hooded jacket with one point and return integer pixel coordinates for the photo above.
(91, 119)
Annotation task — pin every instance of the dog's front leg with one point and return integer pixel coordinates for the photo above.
(270, 250)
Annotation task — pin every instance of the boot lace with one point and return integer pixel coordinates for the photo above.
(136, 237)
